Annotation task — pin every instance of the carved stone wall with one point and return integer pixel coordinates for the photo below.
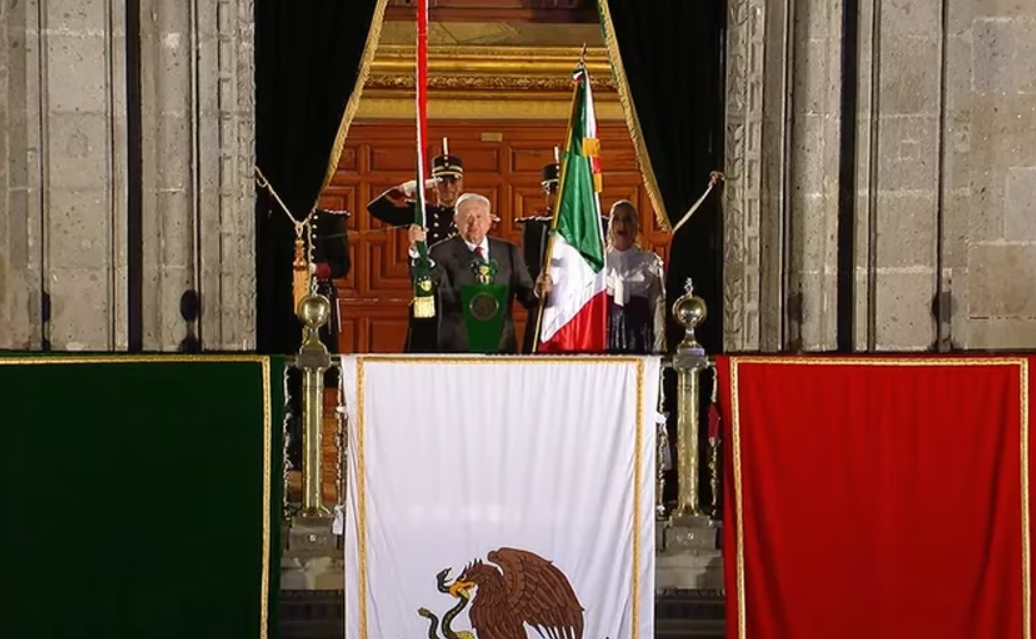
(746, 49)
(63, 182)
(944, 174)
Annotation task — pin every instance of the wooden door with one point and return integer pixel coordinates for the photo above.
(502, 160)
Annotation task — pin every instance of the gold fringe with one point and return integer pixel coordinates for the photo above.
(632, 120)
(369, 50)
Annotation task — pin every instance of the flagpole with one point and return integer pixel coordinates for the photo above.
(424, 296)
(558, 199)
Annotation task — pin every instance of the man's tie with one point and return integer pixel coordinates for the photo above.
(479, 255)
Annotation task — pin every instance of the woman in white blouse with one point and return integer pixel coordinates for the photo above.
(636, 287)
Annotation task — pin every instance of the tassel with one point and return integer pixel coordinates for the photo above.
(300, 273)
(424, 306)
(714, 419)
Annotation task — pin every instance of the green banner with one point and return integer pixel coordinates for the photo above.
(140, 496)
(484, 306)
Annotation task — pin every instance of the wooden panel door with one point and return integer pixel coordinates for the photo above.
(502, 160)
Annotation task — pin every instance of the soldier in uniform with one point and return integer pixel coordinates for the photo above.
(327, 236)
(535, 228)
(396, 207)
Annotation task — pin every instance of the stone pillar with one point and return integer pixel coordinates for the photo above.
(813, 180)
(63, 192)
(743, 189)
(199, 139)
(63, 202)
(781, 195)
(898, 174)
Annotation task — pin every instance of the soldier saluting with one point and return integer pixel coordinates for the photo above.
(396, 205)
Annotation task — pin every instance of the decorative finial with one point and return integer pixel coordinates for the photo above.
(689, 311)
(445, 146)
(557, 155)
(313, 311)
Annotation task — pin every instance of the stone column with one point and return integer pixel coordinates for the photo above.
(813, 180)
(63, 190)
(898, 174)
(781, 195)
(63, 202)
(199, 140)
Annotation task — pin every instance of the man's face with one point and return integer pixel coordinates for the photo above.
(473, 221)
(550, 194)
(449, 188)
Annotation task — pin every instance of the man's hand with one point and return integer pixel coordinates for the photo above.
(544, 284)
(416, 234)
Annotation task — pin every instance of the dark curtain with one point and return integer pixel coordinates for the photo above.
(671, 54)
(308, 58)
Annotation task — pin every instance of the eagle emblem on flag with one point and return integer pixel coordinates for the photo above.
(521, 589)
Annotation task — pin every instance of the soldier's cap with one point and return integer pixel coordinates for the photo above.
(447, 165)
(549, 174)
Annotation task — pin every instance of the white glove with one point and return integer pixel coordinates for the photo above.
(409, 188)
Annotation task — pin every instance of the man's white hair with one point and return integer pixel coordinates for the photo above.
(472, 197)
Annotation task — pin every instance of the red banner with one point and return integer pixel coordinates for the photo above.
(877, 498)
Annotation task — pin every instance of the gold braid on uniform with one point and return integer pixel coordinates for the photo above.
(369, 49)
(632, 120)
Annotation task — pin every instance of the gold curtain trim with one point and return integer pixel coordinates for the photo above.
(351, 107)
(632, 120)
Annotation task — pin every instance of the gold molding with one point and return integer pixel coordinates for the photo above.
(480, 106)
(487, 82)
(490, 68)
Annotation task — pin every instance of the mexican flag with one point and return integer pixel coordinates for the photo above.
(516, 526)
(574, 317)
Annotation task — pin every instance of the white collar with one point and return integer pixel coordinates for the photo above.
(484, 245)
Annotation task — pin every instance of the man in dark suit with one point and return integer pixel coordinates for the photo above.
(452, 261)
